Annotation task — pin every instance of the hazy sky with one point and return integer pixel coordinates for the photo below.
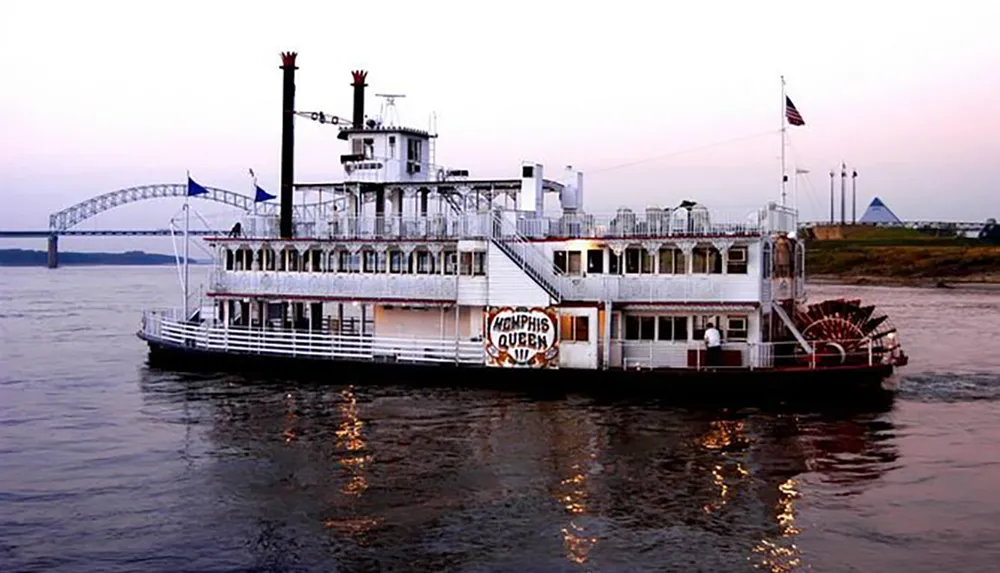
(101, 95)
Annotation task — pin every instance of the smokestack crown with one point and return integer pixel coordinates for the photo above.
(288, 60)
(359, 84)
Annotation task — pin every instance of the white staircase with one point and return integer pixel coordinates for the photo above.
(531, 260)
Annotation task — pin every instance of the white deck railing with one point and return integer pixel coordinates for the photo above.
(647, 354)
(383, 286)
(164, 326)
(624, 224)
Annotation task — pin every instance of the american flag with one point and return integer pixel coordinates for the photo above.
(794, 118)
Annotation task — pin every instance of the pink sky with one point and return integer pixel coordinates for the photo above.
(103, 95)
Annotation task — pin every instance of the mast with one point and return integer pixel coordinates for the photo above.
(784, 128)
(187, 228)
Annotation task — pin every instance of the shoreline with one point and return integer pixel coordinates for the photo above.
(982, 282)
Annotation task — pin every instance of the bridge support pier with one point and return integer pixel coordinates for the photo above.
(53, 251)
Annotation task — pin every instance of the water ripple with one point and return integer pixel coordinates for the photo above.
(106, 465)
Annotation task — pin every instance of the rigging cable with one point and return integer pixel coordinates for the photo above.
(683, 151)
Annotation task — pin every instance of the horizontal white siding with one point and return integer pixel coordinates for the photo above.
(509, 285)
(335, 285)
(428, 323)
(472, 290)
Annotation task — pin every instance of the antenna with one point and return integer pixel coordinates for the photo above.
(389, 108)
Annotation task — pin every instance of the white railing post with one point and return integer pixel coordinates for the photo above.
(871, 353)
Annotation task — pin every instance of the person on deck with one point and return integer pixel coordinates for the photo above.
(713, 342)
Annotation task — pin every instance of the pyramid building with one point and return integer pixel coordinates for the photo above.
(878, 213)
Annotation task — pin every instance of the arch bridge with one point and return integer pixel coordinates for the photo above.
(62, 222)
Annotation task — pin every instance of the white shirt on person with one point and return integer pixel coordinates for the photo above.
(713, 338)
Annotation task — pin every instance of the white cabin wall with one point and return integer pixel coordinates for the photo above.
(509, 285)
(428, 322)
(472, 290)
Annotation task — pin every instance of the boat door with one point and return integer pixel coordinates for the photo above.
(578, 335)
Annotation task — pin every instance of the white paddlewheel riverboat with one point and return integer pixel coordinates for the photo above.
(407, 263)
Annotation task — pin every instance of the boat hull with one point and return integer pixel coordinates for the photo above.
(843, 384)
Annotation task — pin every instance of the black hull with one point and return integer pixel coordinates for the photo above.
(847, 385)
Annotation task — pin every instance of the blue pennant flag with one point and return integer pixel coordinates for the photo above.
(195, 188)
(262, 195)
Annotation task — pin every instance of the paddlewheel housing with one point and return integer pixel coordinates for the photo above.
(843, 332)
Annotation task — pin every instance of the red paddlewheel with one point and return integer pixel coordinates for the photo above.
(842, 331)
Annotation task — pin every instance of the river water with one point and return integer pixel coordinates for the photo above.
(107, 466)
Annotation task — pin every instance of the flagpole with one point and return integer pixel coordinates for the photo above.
(784, 113)
(254, 193)
(187, 229)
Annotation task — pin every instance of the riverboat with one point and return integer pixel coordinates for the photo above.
(409, 266)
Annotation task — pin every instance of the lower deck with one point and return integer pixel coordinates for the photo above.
(594, 338)
(853, 385)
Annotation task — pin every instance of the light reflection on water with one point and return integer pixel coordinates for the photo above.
(104, 463)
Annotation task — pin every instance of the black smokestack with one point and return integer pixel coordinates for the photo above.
(359, 98)
(287, 141)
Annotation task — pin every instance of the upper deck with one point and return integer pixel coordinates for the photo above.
(402, 227)
(653, 223)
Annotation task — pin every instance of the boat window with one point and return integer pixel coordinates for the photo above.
(638, 261)
(575, 263)
(672, 261)
(289, 260)
(450, 262)
(559, 260)
(699, 326)
(265, 259)
(766, 262)
(230, 260)
(595, 261)
(640, 327)
(672, 328)
(395, 262)
(465, 266)
(614, 263)
(574, 328)
(370, 259)
(413, 149)
(736, 327)
(737, 261)
(348, 262)
(317, 260)
(706, 260)
(632, 257)
(479, 263)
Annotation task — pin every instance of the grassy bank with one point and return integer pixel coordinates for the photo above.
(902, 256)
